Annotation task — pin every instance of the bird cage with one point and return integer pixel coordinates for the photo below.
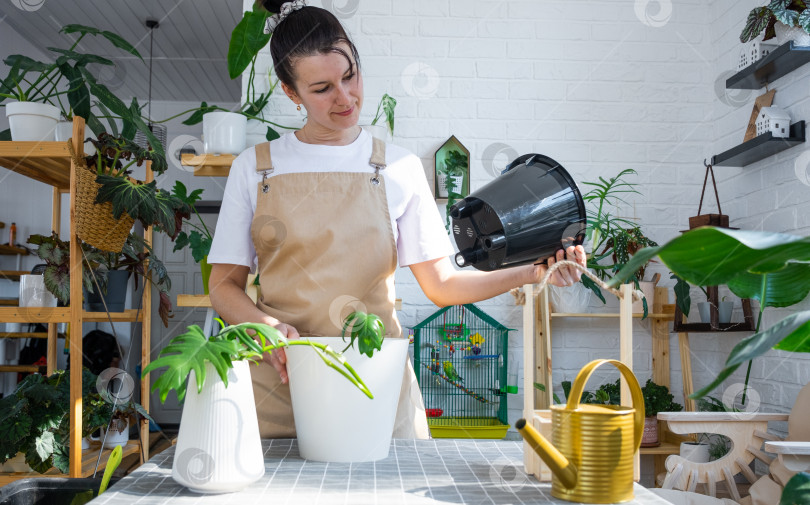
(460, 355)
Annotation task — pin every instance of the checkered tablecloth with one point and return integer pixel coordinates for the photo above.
(415, 472)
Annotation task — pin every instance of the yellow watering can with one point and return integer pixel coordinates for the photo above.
(594, 445)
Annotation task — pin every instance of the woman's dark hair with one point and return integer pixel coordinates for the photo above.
(304, 32)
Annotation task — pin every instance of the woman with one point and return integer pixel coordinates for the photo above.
(325, 213)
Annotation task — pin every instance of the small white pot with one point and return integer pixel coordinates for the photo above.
(724, 310)
(16, 464)
(442, 184)
(31, 121)
(64, 131)
(785, 33)
(697, 453)
(224, 132)
(256, 133)
(118, 434)
(648, 288)
(570, 300)
(379, 131)
(218, 446)
(335, 421)
(33, 292)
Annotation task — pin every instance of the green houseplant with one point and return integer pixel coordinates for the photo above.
(199, 239)
(657, 399)
(791, 13)
(773, 268)
(453, 169)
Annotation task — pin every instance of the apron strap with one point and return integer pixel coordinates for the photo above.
(377, 159)
(264, 163)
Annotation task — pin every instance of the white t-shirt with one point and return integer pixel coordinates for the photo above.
(418, 227)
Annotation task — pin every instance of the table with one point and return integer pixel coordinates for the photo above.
(415, 472)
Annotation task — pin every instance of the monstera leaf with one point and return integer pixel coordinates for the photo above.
(773, 268)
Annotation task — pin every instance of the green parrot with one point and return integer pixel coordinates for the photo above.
(451, 373)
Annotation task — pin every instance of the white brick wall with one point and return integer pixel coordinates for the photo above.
(599, 86)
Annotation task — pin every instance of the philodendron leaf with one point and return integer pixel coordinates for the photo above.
(187, 352)
(247, 39)
(790, 334)
(682, 296)
(797, 490)
(783, 288)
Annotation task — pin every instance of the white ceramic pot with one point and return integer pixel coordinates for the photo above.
(118, 434)
(697, 453)
(379, 131)
(16, 464)
(442, 184)
(32, 121)
(335, 421)
(648, 288)
(224, 132)
(218, 446)
(256, 132)
(570, 300)
(33, 292)
(785, 33)
(724, 310)
(64, 131)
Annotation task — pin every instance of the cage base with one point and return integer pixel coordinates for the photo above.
(467, 427)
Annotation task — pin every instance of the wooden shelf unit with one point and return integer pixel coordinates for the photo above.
(8, 250)
(50, 163)
(209, 165)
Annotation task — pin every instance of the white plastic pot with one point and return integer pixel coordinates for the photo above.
(697, 453)
(218, 446)
(32, 121)
(648, 288)
(224, 132)
(570, 300)
(33, 292)
(458, 181)
(118, 434)
(785, 33)
(379, 131)
(64, 131)
(256, 133)
(724, 310)
(335, 421)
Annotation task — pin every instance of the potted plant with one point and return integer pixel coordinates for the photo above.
(199, 239)
(35, 421)
(385, 107)
(784, 19)
(56, 255)
(773, 268)
(612, 240)
(656, 399)
(451, 179)
(222, 397)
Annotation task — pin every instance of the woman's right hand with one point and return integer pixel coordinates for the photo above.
(278, 358)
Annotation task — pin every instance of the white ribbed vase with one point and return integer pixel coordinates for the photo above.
(218, 447)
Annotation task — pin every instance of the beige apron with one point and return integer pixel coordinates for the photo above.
(325, 248)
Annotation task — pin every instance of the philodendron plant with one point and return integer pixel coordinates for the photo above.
(773, 268)
(249, 341)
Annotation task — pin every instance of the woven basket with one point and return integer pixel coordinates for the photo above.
(95, 223)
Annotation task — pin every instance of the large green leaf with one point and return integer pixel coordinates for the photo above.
(247, 39)
(187, 352)
(137, 200)
(196, 117)
(26, 64)
(797, 490)
(790, 334)
(82, 59)
(114, 38)
(44, 445)
(78, 93)
(784, 288)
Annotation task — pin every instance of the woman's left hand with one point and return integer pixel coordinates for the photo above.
(564, 276)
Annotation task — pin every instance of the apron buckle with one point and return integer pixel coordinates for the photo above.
(265, 186)
(376, 179)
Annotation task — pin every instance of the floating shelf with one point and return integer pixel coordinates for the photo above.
(209, 165)
(11, 250)
(785, 59)
(707, 328)
(760, 148)
(47, 162)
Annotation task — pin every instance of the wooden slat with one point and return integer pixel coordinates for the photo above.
(612, 315)
(62, 315)
(51, 349)
(22, 368)
(13, 275)
(660, 340)
(626, 356)
(23, 334)
(9, 302)
(56, 211)
(209, 165)
(720, 417)
(665, 448)
(146, 344)
(34, 149)
(542, 356)
(9, 250)
(686, 371)
(128, 316)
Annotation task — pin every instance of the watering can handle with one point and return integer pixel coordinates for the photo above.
(635, 392)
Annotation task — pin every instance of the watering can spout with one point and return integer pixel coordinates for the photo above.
(565, 471)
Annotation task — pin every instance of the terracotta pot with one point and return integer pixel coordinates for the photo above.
(650, 438)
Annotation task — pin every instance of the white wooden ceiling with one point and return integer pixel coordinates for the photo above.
(190, 45)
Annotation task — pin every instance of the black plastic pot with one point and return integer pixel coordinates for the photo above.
(524, 216)
(46, 491)
(115, 297)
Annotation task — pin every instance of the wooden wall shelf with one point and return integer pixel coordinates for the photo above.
(209, 165)
(13, 275)
(62, 315)
(760, 147)
(12, 250)
(783, 60)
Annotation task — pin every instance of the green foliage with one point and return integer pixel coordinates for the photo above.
(56, 255)
(386, 106)
(200, 238)
(247, 39)
(455, 165)
(606, 394)
(770, 267)
(34, 419)
(658, 399)
(797, 490)
(367, 329)
(191, 350)
(788, 12)
(682, 297)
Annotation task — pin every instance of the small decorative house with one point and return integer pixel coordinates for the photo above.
(452, 169)
(754, 51)
(460, 357)
(775, 120)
